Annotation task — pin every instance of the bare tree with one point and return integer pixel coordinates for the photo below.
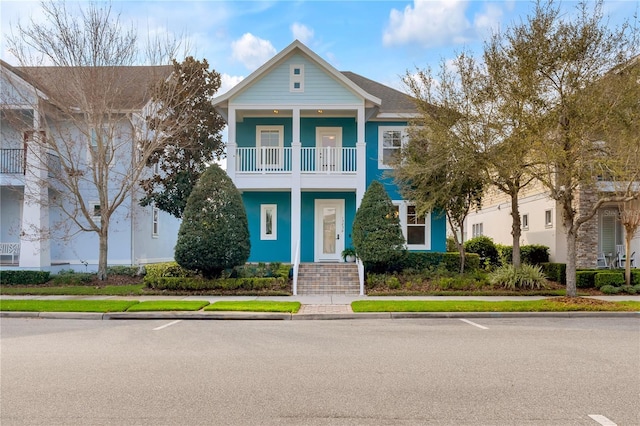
(87, 112)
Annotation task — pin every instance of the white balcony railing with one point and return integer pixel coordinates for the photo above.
(312, 160)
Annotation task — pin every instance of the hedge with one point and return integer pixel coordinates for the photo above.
(434, 260)
(221, 284)
(555, 271)
(586, 279)
(532, 254)
(24, 277)
(615, 279)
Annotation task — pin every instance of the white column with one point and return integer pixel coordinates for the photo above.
(361, 161)
(34, 228)
(296, 198)
(231, 144)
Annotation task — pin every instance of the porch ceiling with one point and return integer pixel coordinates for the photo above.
(305, 113)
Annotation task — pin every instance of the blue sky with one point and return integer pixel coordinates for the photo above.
(380, 40)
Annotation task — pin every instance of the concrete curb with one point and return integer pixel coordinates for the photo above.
(266, 316)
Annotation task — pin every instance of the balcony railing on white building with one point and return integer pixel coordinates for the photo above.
(12, 161)
(312, 160)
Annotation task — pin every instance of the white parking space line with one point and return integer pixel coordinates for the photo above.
(602, 420)
(474, 324)
(167, 325)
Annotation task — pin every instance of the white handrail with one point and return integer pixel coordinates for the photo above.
(296, 265)
(360, 275)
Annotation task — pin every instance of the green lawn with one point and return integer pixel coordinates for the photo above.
(548, 305)
(255, 306)
(168, 305)
(75, 290)
(66, 305)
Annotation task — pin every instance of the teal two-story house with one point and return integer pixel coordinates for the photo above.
(305, 141)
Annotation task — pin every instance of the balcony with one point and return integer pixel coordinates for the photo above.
(276, 167)
(13, 162)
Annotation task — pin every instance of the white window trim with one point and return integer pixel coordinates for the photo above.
(93, 130)
(263, 222)
(92, 209)
(155, 222)
(296, 78)
(381, 130)
(477, 230)
(548, 224)
(525, 227)
(402, 211)
(280, 130)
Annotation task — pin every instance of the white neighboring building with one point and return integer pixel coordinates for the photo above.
(37, 235)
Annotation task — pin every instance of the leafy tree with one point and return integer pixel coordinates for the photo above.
(377, 235)
(214, 234)
(434, 169)
(198, 142)
(82, 142)
(571, 115)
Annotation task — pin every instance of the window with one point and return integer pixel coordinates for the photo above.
(476, 230)
(414, 226)
(99, 139)
(525, 221)
(95, 211)
(548, 219)
(155, 215)
(269, 142)
(390, 140)
(268, 221)
(296, 78)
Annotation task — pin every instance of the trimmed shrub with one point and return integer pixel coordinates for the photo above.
(70, 277)
(555, 272)
(532, 254)
(524, 277)
(615, 279)
(609, 289)
(586, 279)
(635, 277)
(452, 247)
(220, 284)
(214, 234)
(421, 261)
(485, 248)
(629, 289)
(165, 269)
(377, 235)
(24, 277)
(130, 271)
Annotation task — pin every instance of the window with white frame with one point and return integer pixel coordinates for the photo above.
(390, 141)
(296, 78)
(268, 221)
(476, 230)
(525, 221)
(155, 221)
(269, 141)
(95, 211)
(548, 219)
(414, 226)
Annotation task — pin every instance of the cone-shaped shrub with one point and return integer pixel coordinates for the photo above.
(377, 235)
(214, 234)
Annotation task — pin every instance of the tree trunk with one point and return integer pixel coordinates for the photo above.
(516, 230)
(102, 256)
(627, 262)
(571, 259)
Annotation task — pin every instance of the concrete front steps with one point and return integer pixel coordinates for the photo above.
(328, 278)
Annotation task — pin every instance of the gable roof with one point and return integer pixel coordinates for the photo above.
(128, 86)
(222, 100)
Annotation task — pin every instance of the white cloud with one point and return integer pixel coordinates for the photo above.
(301, 32)
(429, 23)
(252, 51)
(489, 20)
(228, 82)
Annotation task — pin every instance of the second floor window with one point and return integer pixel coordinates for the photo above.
(100, 138)
(390, 141)
(269, 143)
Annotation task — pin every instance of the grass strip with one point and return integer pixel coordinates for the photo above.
(168, 305)
(547, 305)
(255, 306)
(66, 305)
(76, 290)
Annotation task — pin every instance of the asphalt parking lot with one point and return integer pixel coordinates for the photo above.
(479, 371)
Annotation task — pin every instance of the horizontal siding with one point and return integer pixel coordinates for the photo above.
(319, 87)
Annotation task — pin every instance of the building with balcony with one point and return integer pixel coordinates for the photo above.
(304, 142)
(38, 227)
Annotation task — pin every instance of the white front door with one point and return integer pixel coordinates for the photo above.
(329, 230)
(328, 148)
